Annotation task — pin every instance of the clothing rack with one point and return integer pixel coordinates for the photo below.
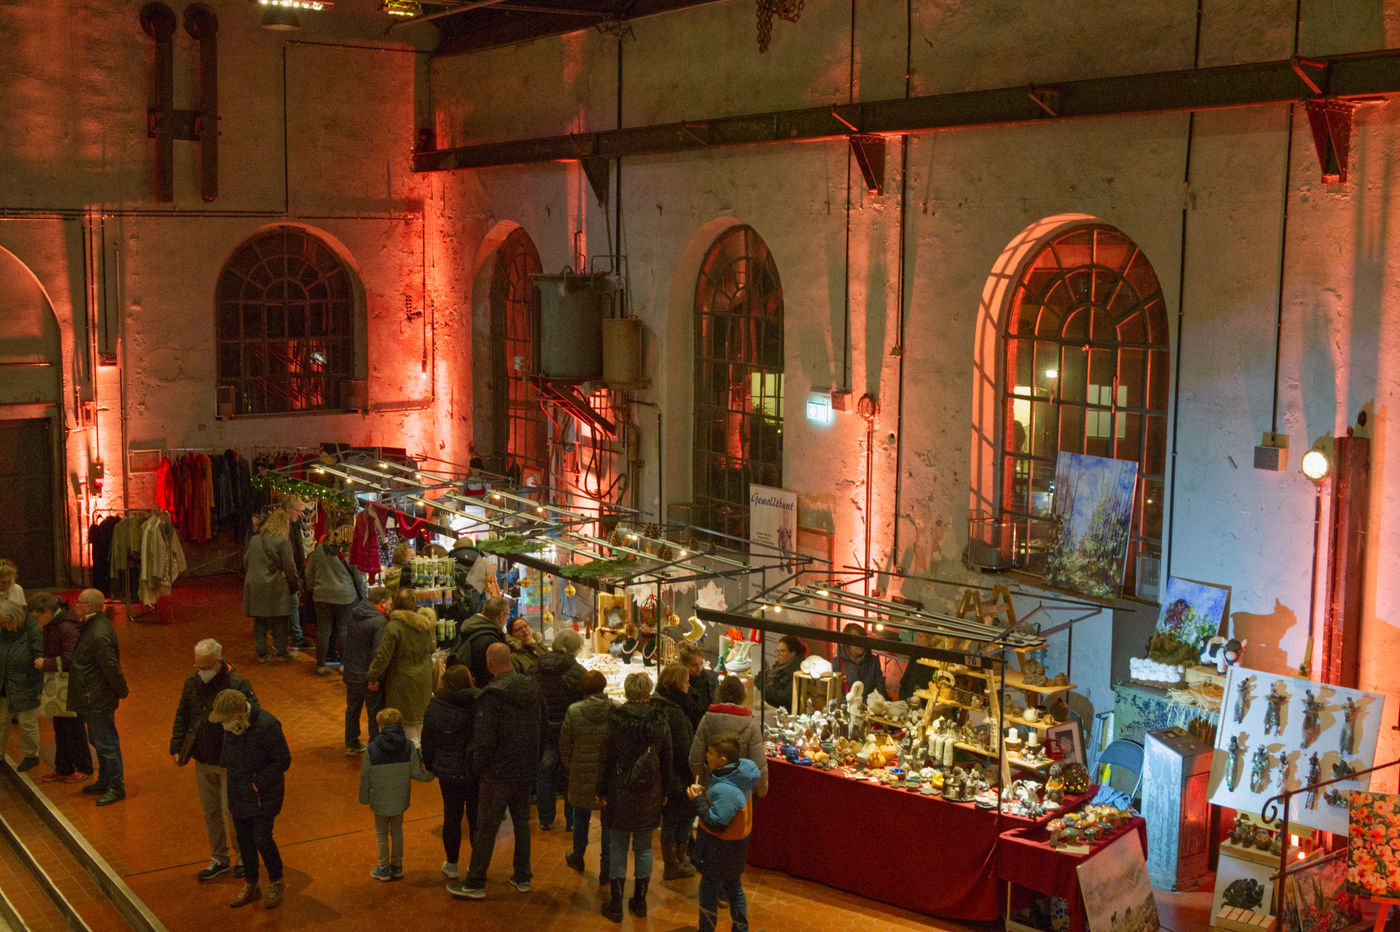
(128, 600)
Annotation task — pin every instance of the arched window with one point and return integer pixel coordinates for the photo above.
(515, 319)
(1086, 370)
(286, 335)
(738, 379)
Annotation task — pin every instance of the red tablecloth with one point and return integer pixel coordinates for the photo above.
(918, 852)
(1024, 858)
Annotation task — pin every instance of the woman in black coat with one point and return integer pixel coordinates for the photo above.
(447, 736)
(677, 814)
(255, 755)
(632, 783)
(775, 682)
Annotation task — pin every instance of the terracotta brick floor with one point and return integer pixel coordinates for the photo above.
(155, 838)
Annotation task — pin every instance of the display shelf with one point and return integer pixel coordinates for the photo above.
(887, 722)
(1014, 759)
(1014, 680)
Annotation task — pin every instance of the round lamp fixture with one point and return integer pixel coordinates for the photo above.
(280, 19)
(1316, 465)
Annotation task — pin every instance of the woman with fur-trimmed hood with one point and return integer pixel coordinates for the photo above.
(403, 665)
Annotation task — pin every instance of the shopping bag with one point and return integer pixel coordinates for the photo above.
(53, 701)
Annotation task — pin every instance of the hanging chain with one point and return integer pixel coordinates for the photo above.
(789, 10)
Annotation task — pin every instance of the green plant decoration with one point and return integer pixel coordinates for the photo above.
(599, 569)
(505, 546)
(1167, 648)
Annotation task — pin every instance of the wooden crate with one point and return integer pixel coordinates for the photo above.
(820, 689)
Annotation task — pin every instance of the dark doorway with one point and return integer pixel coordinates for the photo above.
(26, 473)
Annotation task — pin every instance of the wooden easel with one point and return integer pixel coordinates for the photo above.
(972, 606)
(1383, 909)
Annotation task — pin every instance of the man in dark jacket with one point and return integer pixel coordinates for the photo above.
(255, 755)
(95, 686)
(358, 644)
(858, 665)
(558, 673)
(194, 737)
(478, 633)
(505, 752)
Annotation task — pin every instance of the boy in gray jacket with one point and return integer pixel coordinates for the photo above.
(388, 770)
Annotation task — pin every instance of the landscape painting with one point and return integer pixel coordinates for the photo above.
(1115, 889)
(1191, 610)
(1092, 519)
(1315, 898)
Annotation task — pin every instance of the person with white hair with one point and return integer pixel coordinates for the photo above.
(95, 687)
(10, 589)
(194, 737)
(21, 644)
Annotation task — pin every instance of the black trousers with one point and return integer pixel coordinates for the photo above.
(458, 798)
(254, 839)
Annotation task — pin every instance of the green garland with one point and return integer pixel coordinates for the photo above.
(599, 569)
(509, 545)
(299, 487)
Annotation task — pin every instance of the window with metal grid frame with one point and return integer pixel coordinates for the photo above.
(738, 380)
(519, 421)
(285, 331)
(1087, 363)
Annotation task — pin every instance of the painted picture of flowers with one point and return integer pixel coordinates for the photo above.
(1315, 898)
(1191, 610)
(1092, 518)
(1373, 846)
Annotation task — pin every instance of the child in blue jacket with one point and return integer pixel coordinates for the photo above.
(390, 765)
(725, 809)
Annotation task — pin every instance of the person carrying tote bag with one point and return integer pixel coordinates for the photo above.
(72, 758)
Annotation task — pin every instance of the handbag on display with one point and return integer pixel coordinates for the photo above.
(53, 701)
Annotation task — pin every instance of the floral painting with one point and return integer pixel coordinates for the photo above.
(1315, 898)
(1192, 611)
(1373, 846)
(1093, 516)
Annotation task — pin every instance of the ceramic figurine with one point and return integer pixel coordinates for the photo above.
(1259, 770)
(1232, 763)
(1285, 770)
(1314, 775)
(1222, 653)
(1242, 696)
(1336, 798)
(1312, 717)
(1273, 719)
(1348, 739)
(1342, 769)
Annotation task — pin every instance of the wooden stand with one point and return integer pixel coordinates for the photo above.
(819, 689)
(1383, 909)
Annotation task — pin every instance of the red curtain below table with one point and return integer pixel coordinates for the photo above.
(914, 851)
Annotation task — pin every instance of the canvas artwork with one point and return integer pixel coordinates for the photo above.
(1283, 732)
(1093, 517)
(1315, 898)
(1373, 846)
(1115, 889)
(1191, 610)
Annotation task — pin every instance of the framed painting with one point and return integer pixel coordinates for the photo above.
(1315, 898)
(1192, 610)
(1114, 886)
(1092, 520)
(1062, 742)
(1373, 846)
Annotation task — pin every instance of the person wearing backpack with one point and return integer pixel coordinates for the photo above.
(632, 782)
(725, 809)
(477, 633)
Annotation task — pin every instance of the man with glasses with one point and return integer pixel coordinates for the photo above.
(95, 687)
(196, 738)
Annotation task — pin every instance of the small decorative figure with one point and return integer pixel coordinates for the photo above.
(1242, 696)
(1259, 770)
(1221, 652)
(1244, 893)
(1273, 719)
(1348, 740)
(1232, 763)
(1335, 798)
(1312, 717)
(1285, 769)
(1341, 769)
(1314, 775)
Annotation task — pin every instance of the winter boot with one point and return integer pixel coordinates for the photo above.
(638, 903)
(612, 909)
(676, 866)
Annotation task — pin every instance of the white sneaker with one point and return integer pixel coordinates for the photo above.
(449, 870)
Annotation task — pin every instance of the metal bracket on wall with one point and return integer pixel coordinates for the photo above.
(1330, 121)
(164, 123)
(870, 156)
(595, 168)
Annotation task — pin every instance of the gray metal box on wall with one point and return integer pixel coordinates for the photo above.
(572, 309)
(1175, 782)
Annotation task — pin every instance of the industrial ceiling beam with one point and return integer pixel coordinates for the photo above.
(1362, 74)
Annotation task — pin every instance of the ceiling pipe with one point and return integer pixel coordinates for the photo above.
(472, 5)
